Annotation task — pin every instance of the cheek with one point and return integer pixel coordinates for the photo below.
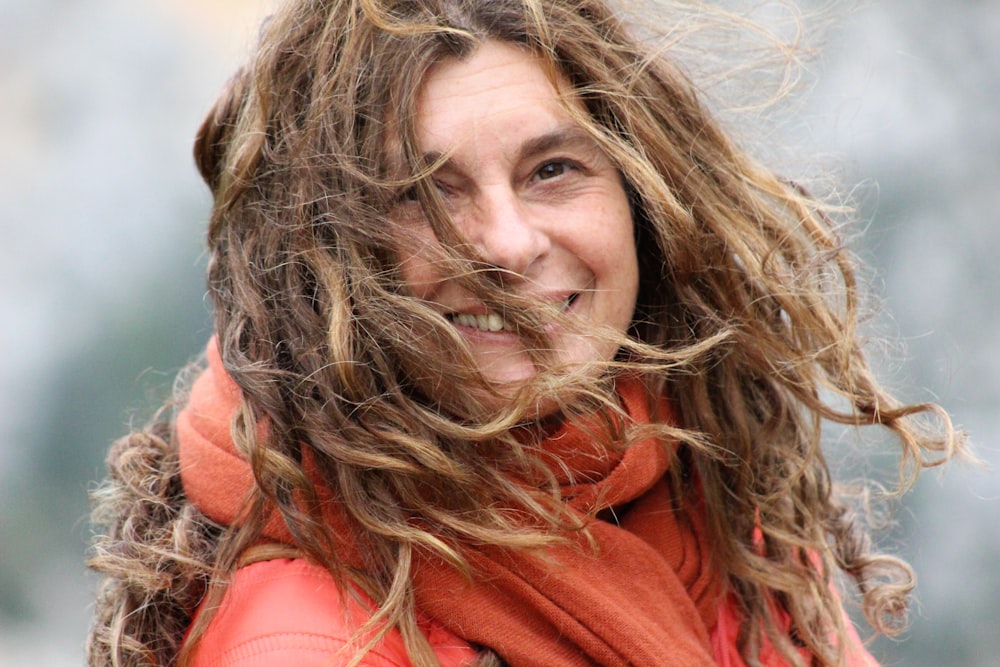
(417, 263)
(419, 275)
(615, 251)
(620, 267)
(625, 281)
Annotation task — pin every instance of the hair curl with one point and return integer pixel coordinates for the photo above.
(747, 318)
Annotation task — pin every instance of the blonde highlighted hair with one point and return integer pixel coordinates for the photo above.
(747, 318)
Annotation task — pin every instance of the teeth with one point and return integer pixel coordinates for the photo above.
(492, 321)
(487, 322)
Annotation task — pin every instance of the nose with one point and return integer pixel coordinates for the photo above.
(507, 232)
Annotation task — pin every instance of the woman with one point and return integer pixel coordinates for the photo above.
(518, 359)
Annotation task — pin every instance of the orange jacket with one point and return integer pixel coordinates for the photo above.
(289, 613)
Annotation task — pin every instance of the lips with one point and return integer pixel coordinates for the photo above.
(493, 322)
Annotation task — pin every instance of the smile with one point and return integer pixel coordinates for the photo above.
(486, 322)
(493, 321)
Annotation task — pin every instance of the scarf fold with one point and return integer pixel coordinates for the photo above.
(644, 595)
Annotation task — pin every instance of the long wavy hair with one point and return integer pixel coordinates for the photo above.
(747, 319)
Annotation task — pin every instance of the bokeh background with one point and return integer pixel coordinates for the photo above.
(101, 295)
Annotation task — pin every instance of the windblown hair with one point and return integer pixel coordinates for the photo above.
(747, 318)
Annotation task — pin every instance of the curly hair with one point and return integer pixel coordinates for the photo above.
(747, 319)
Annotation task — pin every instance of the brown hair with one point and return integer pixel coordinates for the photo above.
(747, 319)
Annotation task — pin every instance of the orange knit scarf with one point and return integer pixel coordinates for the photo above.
(645, 597)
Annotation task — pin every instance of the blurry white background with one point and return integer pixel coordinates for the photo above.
(101, 299)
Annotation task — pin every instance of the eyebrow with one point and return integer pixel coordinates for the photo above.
(565, 135)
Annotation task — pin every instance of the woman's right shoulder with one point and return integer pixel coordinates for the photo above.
(290, 612)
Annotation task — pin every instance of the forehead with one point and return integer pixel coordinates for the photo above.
(498, 86)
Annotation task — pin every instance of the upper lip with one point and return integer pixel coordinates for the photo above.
(479, 308)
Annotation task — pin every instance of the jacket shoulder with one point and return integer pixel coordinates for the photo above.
(290, 612)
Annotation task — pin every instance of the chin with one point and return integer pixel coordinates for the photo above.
(511, 377)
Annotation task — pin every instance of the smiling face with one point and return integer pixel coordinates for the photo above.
(534, 196)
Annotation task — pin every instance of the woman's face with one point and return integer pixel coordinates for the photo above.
(535, 196)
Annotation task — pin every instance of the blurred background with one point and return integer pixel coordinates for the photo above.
(102, 218)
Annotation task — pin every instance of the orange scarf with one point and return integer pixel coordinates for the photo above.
(645, 597)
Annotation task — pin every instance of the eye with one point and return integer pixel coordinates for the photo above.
(411, 194)
(552, 169)
(408, 195)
